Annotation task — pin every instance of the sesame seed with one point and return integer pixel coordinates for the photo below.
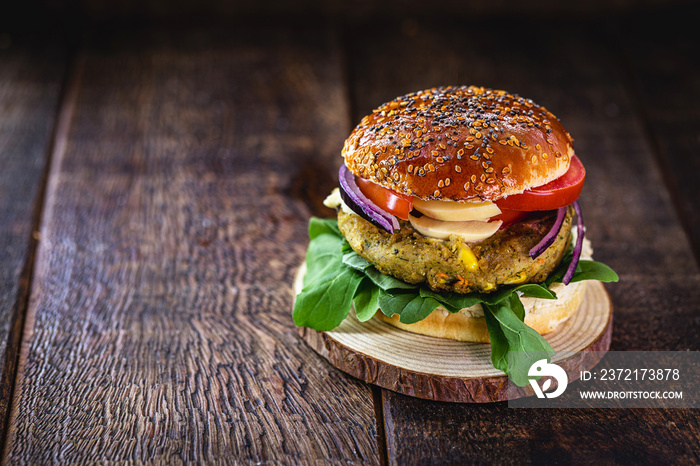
(458, 169)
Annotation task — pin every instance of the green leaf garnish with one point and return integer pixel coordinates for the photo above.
(514, 345)
(366, 300)
(410, 307)
(337, 278)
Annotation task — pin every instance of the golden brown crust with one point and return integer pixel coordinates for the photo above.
(459, 143)
(543, 315)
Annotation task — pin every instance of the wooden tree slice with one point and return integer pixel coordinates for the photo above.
(447, 370)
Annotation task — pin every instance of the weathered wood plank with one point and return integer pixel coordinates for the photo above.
(31, 74)
(666, 78)
(630, 220)
(440, 433)
(160, 324)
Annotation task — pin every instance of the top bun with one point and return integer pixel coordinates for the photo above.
(459, 143)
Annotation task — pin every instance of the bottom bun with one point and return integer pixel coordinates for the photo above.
(543, 315)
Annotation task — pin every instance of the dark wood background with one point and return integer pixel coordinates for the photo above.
(158, 167)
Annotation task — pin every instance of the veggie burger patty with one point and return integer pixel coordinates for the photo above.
(452, 264)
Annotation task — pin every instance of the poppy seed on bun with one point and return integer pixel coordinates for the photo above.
(459, 143)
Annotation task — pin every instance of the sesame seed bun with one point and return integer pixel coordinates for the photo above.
(459, 143)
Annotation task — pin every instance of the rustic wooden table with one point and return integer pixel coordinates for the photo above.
(155, 188)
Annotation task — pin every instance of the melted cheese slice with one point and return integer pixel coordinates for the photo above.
(467, 231)
(456, 211)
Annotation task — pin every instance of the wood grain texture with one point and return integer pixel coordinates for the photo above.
(569, 69)
(31, 73)
(667, 85)
(452, 371)
(159, 328)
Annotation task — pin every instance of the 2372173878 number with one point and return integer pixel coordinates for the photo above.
(639, 374)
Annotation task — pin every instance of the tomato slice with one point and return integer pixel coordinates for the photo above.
(395, 203)
(553, 195)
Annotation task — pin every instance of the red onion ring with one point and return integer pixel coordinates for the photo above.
(361, 205)
(578, 247)
(549, 237)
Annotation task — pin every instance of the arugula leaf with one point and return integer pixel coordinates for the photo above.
(324, 250)
(534, 290)
(514, 345)
(320, 226)
(453, 302)
(325, 305)
(592, 270)
(387, 282)
(355, 261)
(585, 270)
(366, 300)
(329, 286)
(410, 307)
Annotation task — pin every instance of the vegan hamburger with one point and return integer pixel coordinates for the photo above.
(454, 203)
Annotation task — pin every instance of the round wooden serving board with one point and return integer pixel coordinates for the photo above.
(447, 370)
